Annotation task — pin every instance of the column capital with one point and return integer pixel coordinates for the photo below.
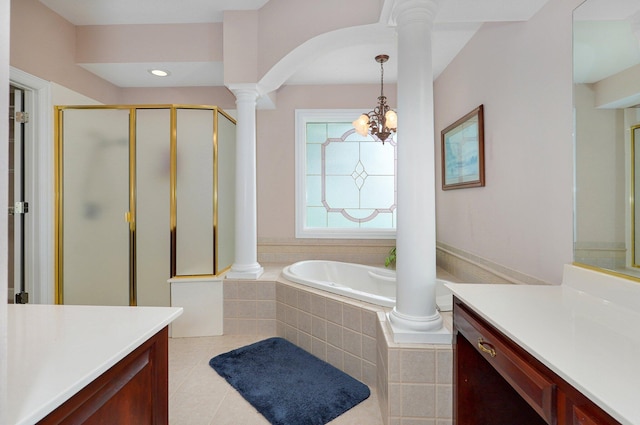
(246, 91)
(404, 11)
(253, 93)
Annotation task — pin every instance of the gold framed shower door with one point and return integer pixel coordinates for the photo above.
(218, 184)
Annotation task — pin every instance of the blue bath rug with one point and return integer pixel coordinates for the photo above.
(287, 385)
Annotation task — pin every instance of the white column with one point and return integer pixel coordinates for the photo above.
(415, 317)
(245, 265)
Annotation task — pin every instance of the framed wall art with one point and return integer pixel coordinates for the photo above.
(463, 152)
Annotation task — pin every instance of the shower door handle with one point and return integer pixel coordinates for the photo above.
(128, 217)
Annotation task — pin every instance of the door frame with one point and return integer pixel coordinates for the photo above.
(39, 253)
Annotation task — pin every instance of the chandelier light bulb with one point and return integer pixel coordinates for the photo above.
(361, 125)
(391, 119)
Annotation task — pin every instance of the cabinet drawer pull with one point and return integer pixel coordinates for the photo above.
(482, 345)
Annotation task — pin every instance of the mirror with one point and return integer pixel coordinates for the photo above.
(606, 57)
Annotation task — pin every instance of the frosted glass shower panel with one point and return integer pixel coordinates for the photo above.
(95, 184)
(153, 180)
(226, 183)
(194, 192)
(635, 172)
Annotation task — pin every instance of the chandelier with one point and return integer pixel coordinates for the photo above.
(383, 120)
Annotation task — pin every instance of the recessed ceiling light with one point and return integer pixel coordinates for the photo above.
(159, 72)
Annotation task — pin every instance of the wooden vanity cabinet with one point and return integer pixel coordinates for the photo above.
(499, 383)
(576, 409)
(132, 392)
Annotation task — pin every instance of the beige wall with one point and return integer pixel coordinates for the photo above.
(600, 179)
(522, 73)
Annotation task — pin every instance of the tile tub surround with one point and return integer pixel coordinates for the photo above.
(338, 330)
(415, 381)
(351, 335)
(249, 307)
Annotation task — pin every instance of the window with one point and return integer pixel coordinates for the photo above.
(345, 183)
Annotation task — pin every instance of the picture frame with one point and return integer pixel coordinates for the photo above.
(463, 152)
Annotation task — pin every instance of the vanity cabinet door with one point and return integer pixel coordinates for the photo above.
(494, 383)
(582, 418)
(575, 409)
(504, 359)
(482, 396)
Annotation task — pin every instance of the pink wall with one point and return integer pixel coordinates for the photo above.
(217, 96)
(276, 147)
(149, 43)
(43, 44)
(47, 46)
(522, 73)
(279, 33)
(241, 47)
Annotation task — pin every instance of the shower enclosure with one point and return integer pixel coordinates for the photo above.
(144, 193)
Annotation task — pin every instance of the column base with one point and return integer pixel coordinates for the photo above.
(418, 330)
(245, 271)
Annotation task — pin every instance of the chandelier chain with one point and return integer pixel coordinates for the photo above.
(381, 79)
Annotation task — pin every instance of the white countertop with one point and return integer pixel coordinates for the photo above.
(591, 342)
(54, 351)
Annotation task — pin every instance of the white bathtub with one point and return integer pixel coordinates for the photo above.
(374, 285)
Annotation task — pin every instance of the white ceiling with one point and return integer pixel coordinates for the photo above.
(456, 23)
(114, 12)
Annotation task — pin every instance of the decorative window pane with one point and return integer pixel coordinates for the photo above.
(314, 159)
(345, 183)
(316, 133)
(338, 129)
(317, 216)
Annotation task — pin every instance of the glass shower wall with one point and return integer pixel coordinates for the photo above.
(144, 194)
(226, 188)
(152, 207)
(95, 198)
(194, 192)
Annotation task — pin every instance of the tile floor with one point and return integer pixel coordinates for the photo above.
(199, 396)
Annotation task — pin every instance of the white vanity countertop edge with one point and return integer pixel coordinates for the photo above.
(54, 351)
(591, 343)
